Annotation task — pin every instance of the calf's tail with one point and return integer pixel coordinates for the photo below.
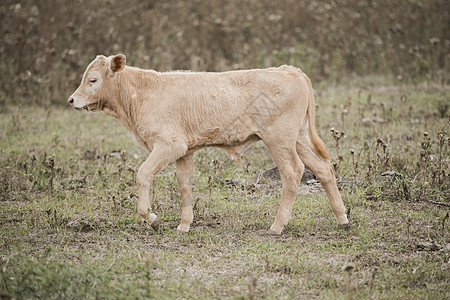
(318, 144)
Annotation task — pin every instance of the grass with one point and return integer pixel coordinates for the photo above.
(69, 227)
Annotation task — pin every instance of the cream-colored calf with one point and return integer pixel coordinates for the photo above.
(174, 114)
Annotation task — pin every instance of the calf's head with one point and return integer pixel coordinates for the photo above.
(98, 85)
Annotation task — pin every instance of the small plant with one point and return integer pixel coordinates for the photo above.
(355, 163)
(443, 143)
(383, 158)
(337, 137)
(442, 108)
(49, 163)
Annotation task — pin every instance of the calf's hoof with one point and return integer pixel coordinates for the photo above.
(345, 226)
(155, 224)
(273, 231)
(183, 228)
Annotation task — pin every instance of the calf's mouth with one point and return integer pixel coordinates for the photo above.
(93, 107)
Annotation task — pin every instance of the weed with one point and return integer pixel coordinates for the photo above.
(337, 137)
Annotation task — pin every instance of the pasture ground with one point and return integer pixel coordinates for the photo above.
(69, 228)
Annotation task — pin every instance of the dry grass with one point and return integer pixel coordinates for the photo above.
(69, 227)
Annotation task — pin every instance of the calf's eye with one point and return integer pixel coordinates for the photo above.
(93, 80)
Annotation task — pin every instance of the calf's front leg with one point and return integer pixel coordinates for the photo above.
(185, 169)
(161, 156)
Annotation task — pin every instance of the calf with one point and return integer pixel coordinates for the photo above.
(174, 114)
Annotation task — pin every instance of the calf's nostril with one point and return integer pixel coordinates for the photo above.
(70, 100)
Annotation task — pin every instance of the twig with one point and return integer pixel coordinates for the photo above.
(439, 203)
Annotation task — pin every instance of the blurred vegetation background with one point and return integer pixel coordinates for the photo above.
(46, 45)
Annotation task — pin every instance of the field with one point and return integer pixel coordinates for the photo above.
(68, 222)
(69, 227)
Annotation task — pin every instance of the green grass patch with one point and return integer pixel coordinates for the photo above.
(69, 228)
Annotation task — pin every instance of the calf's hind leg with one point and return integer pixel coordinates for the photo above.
(185, 168)
(322, 169)
(291, 171)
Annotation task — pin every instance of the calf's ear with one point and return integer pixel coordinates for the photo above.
(118, 62)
